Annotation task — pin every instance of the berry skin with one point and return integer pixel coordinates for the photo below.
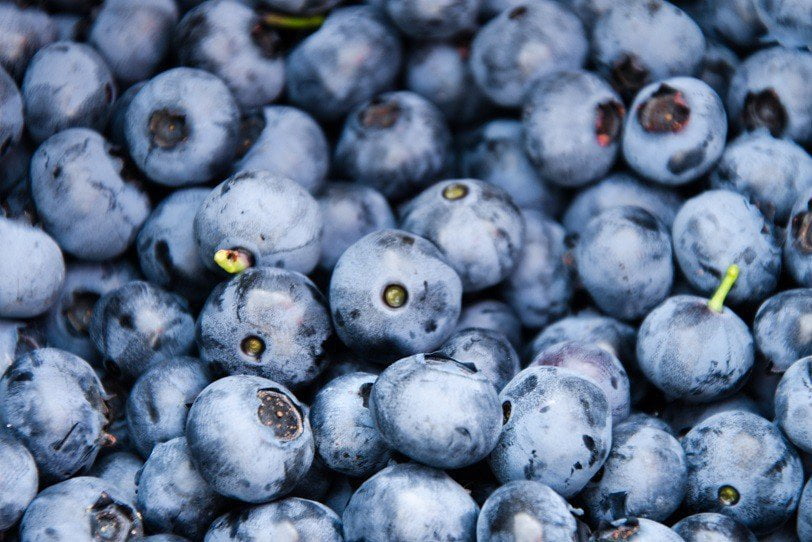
(494, 316)
(19, 480)
(11, 113)
(804, 523)
(633, 529)
(793, 403)
(120, 469)
(798, 242)
(486, 349)
(712, 526)
(787, 21)
(782, 328)
(286, 519)
(439, 19)
(25, 31)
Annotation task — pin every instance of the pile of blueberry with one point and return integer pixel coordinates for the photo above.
(405, 270)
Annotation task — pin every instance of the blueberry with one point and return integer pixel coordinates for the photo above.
(718, 66)
(524, 510)
(350, 211)
(256, 218)
(768, 91)
(134, 36)
(139, 324)
(288, 135)
(645, 476)
(392, 294)
(171, 494)
(121, 470)
(85, 196)
(163, 538)
(682, 416)
(712, 526)
(440, 19)
(33, 270)
(436, 410)
(375, 512)
(66, 85)
(635, 530)
(267, 322)
(117, 125)
(18, 337)
(636, 43)
(160, 399)
(804, 522)
(250, 439)
(787, 21)
(540, 287)
(18, 480)
(793, 403)
(572, 124)
(770, 172)
(641, 419)
(68, 321)
(740, 465)
(53, 402)
(82, 508)
(623, 258)
(495, 153)
(595, 363)
(26, 30)
(453, 213)
(397, 142)
(439, 71)
(557, 429)
(718, 228)
(11, 113)
(286, 519)
(252, 65)
(494, 316)
(167, 250)
(181, 127)
(301, 7)
(675, 131)
(489, 351)
(798, 242)
(345, 435)
(326, 79)
(519, 46)
(783, 328)
(734, 21)
(617, 190)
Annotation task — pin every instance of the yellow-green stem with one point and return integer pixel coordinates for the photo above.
(278, 20)
(717, 302)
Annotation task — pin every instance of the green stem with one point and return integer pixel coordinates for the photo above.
(233, 260)
(716, 303)
(278, 20)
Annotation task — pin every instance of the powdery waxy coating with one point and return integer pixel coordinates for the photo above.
(25, 31)
(53, 402)
(616, 190)
(86, 199)
(798, 241)
(397, 143)
(19, 480)
(367, 323)
(770, 172)
(438, 19)
(17, 337)
(804, 522)
(719, 228)
(345, 433)
(787, 21)
(521, 45)
(782, 328)
(159, 401)
(133, 36)
(66, 85)
(32, 268)
(682, 151)
(492, 315)
(410, 502)
(67, 323)
(139, 324)
(745, 452)
(540, 287)
(712, 527)
(645, 475)
(274, 219)
(82, 508)
(624, 261)
(290, 134)
(771, 89)
(350, 211)
(681, 416)
(283, 310)
(572, 124)
(454, 213)
(525, 510)
(182, 127)
(636, 43)
(228, 39)
(589, 327)
(287, 519)
(11, 113)
(167, 250)
(172, 496)
(693, 353)
(488, 350)
(239, 443)
(734, 21)
(557, 429)
(495, 154)
(120, 469)
(633, 529)
(793, 403)
(719, 63)
(436, 410)
(352, 57)
(595, 363)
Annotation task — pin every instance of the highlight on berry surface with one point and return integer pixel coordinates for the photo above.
(717, 302)
(233, 260)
